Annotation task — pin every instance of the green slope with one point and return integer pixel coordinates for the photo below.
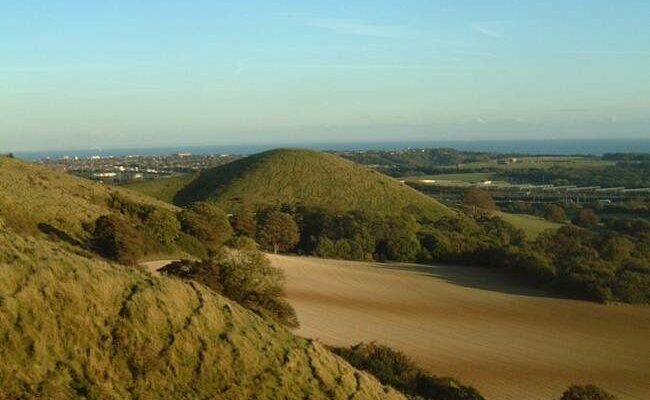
(530, 224)
(76, 327)
(31, 194)
(308, 178)
(162, 189)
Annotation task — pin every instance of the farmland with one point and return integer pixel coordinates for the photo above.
(508, 341)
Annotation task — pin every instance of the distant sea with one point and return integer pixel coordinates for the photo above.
(550, 147)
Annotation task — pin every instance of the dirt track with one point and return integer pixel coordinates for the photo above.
(508, 341)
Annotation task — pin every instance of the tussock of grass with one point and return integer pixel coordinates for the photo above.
(78, 327)
(308, 178)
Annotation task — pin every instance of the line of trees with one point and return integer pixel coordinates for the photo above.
(605, 264)
(602, 263)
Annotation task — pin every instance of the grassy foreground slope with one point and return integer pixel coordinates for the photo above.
(76, 327)
(162, 189)
(309, 178)
(31, 195)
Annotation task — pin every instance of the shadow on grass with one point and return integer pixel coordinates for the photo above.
(488, 279)
(58, 234)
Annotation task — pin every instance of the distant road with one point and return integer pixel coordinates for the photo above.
(508, 341)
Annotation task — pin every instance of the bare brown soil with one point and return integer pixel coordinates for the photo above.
(508, 341)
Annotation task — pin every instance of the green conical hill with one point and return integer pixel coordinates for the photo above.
(309, 178)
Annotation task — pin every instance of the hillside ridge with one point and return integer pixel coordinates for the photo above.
(32, 195)
(79, 327)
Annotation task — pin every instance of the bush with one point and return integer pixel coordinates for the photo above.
(344, 249)
(533, 266)
(632, 285)
(116, 239)
(393, 368)
(129, 207)
(397, 239)
(243, 224)
(587, 392)
(243, 275)
(191, 246)
(554, 213)
(586, 218)
(163, 226)
(208, 223)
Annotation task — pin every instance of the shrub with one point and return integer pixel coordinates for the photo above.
(632, 285)
(586, 218)
(533, 266)
(617, 249)
(554, 213)
(277, 231)
(243, 224)
(163, 226)
(344, 249)
(393, 368)
(191, 246)
(208, 223)
(115, 238)
(129, 207)
(397, 239)
(587, 392)
(243, 275)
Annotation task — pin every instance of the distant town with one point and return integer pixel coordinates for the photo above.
(133, 168)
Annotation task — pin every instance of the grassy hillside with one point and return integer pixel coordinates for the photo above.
(309, 178)
(76, 327)
(530, 224)
(162, 189)
(33, 195)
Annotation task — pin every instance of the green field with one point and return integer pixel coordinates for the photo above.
(539, 162)
(530, 224)
(163, 188)
(468, 177)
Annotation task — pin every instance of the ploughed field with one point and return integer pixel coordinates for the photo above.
(508, 341)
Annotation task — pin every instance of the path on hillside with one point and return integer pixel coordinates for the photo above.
(510, 342)
(154, 265)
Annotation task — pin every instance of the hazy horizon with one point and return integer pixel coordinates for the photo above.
(119, 74)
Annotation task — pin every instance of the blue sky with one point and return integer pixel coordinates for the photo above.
(79, 74)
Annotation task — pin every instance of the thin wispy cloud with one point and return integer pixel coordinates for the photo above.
(470, 53)
(490, 29)
(406, 67)
(607, 53)
(570, 110)
(348, 27)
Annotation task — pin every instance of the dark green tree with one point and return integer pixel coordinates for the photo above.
(474, 199)
(208, 223)
(277, 231)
